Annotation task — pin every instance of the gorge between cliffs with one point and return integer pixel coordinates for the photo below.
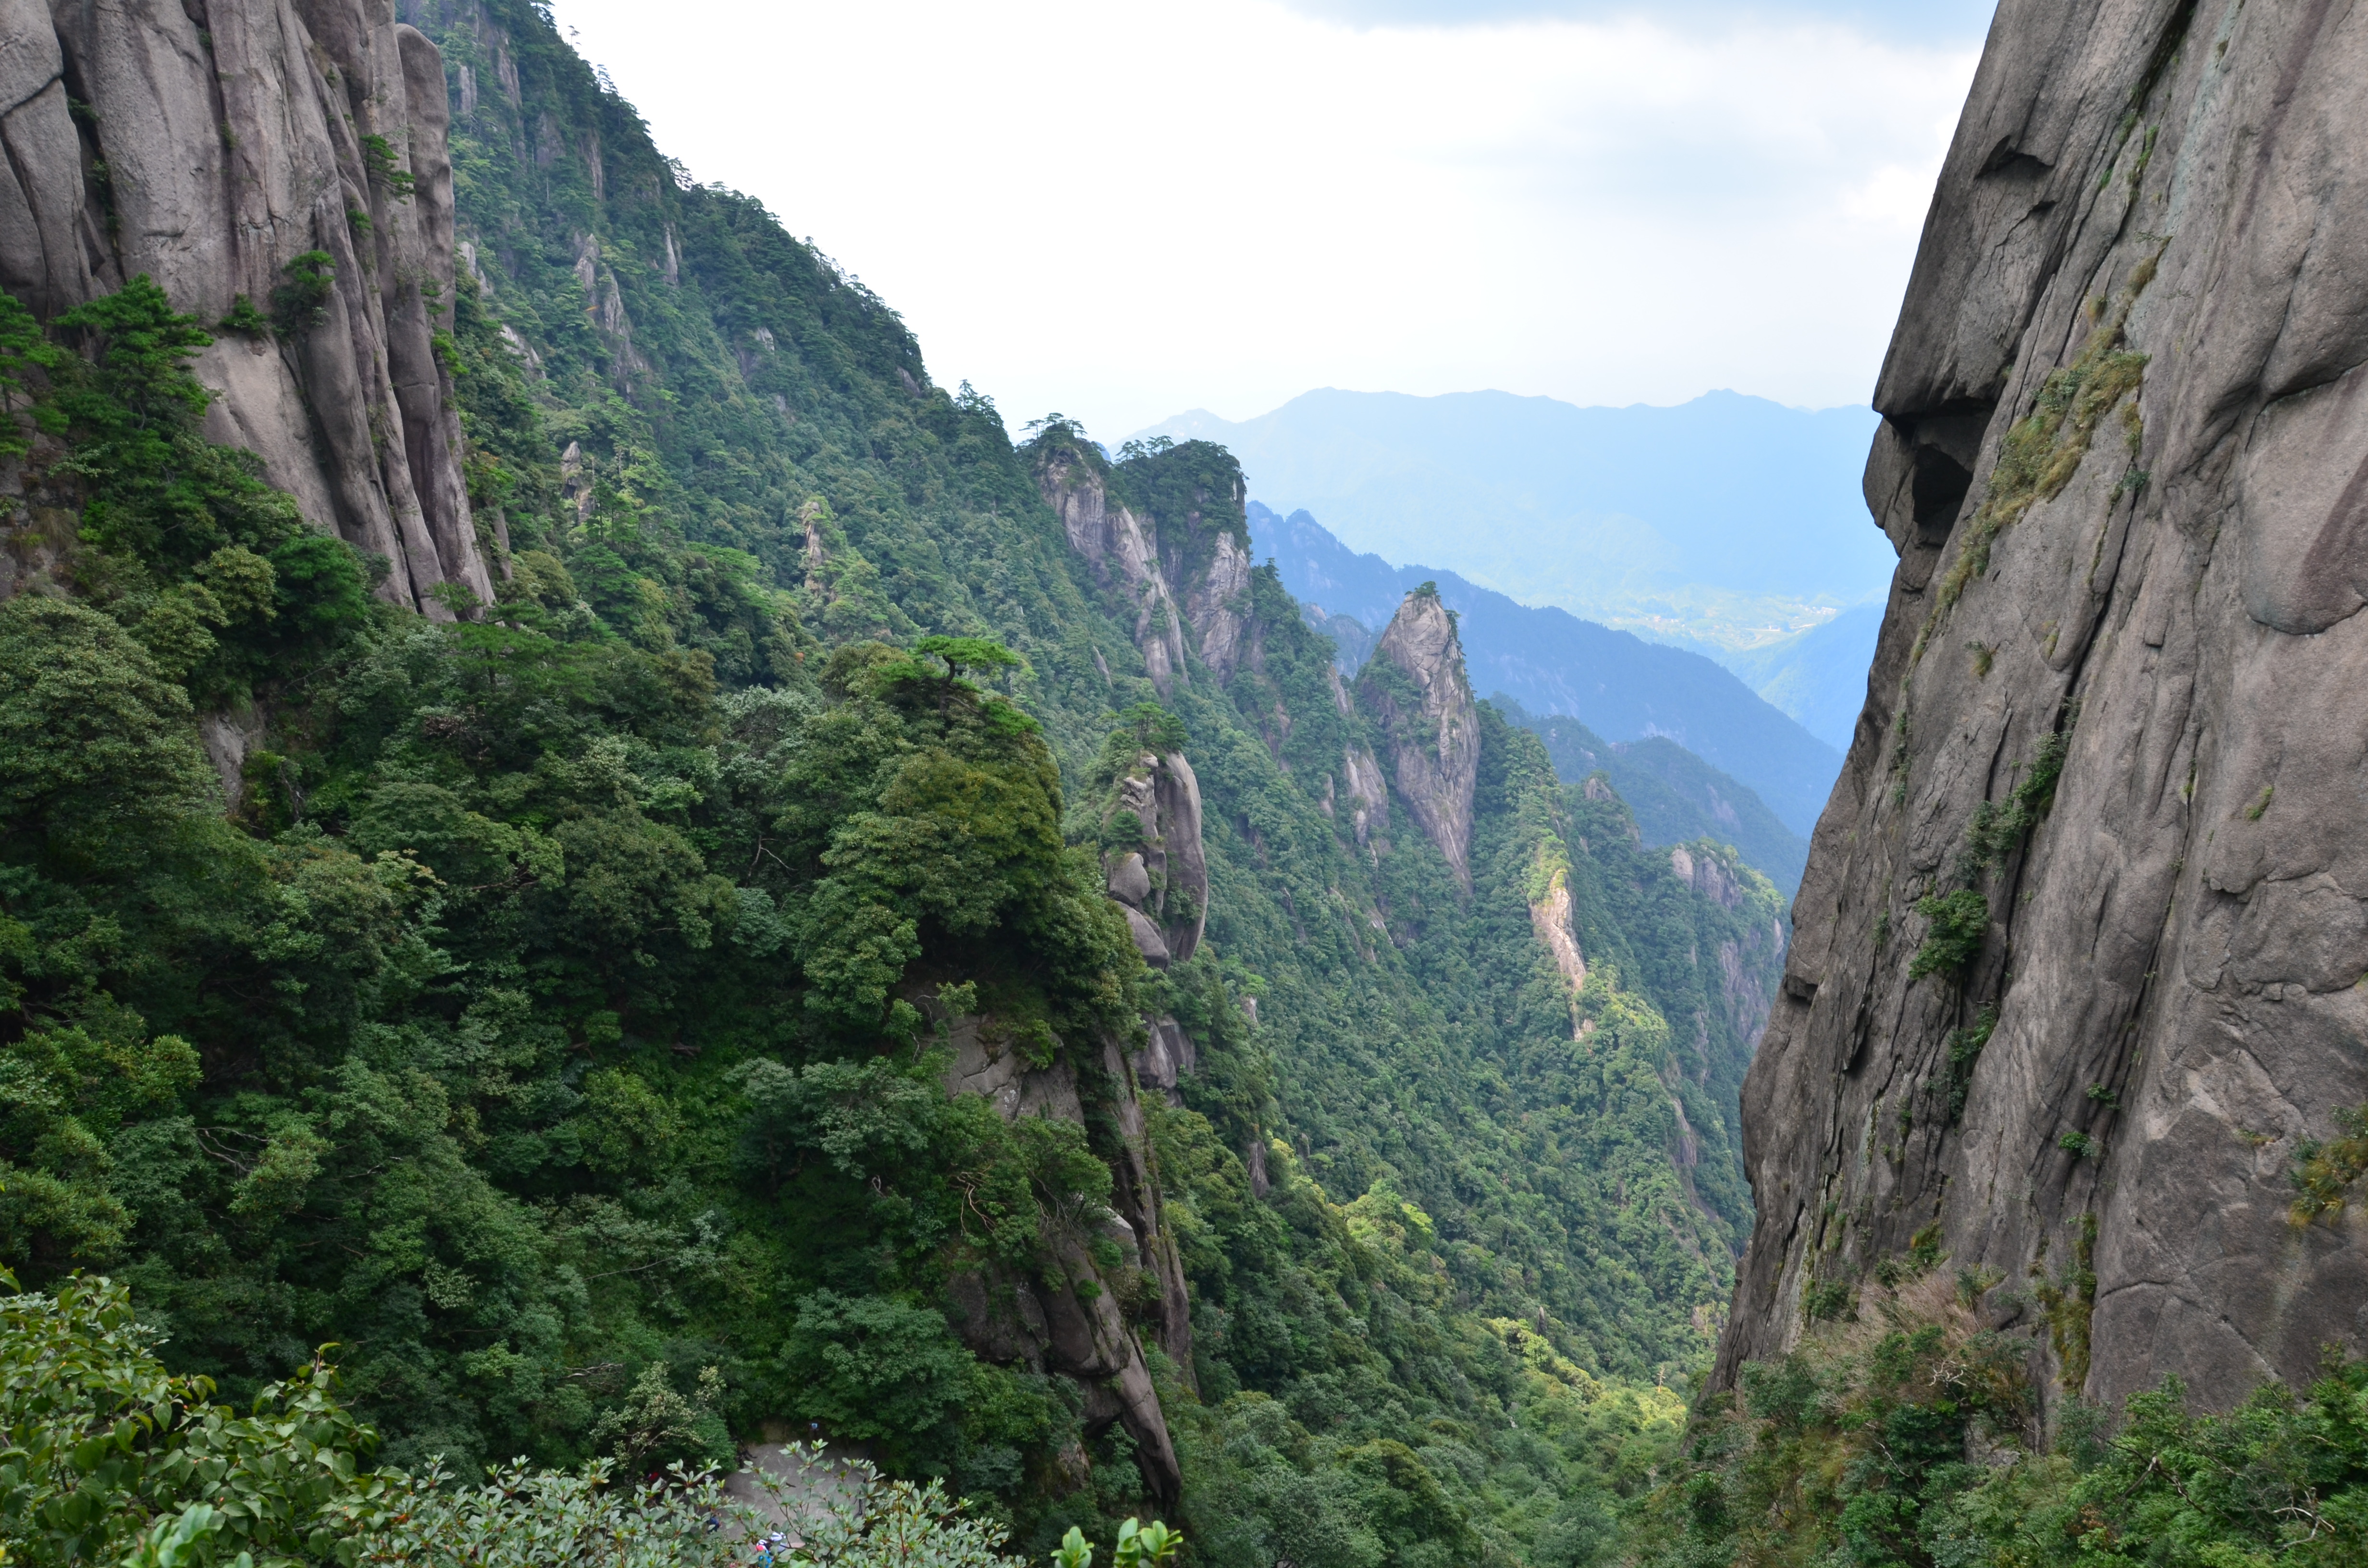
(599, 873)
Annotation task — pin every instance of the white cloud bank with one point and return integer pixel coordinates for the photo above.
(1124, 209)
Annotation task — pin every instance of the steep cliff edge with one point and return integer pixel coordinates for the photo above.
(1122, 550)
(1156, 869)
(2077, 953)
(1186, 538)
(281, 168)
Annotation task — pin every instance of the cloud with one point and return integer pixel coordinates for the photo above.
(1119, 210)
(1950, 20)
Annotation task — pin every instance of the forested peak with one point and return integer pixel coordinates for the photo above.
(1196, 486)
(1057, 443)
(1191, 490)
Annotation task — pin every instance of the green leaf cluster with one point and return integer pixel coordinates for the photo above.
(1910, 1439)
(105, 1456)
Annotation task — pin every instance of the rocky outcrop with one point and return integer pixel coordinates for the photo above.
(1550, 919)
(1168, 1055)
(1414, 684)
(212, 148)
(1073, 1315)
(1196, 575)
(1700, 869)
(1741, 988)
(1124, 555)
(2113, 722)
(1160, 878)
(1364, 794)
(1216, 606)
(1070, 1316)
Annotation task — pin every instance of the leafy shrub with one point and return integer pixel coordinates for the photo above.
(303, 302)
(105, 1456)
(1965, 1050)
(1959, 922)
(1840, 1452)
(1855, 1450)
(103, 1450)
(244, 319)
(386, 169)
(871, 1368)
(2325, 1173)
(94, 740)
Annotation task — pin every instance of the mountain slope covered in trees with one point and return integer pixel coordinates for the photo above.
(1676, 795)
(555, 1003)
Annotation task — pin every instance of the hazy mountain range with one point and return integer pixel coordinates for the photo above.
(1676, 796)
(1730, 526)
(1551, 662)
(1730, 521)
(1819, 677)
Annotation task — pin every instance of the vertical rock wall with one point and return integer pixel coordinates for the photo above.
(1124, 554)
(1550, 922)
(1163, 884)
(211, 144)
(2122, 460)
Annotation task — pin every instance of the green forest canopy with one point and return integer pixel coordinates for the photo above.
(555, 1022)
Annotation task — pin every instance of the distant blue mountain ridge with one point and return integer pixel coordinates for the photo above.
(1730, 526)
(1818, 677)
(1549, 661)
(1728, 520)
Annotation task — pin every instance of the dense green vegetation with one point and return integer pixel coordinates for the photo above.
(452, 1045)
(1908, 1436)
(106, 1455)
(455, 1044)
(551, 1009)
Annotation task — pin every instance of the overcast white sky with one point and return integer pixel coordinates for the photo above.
(1124, 209)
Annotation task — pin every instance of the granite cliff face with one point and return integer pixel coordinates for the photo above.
(259, 157)
(1550, 921)
(1156, 872)
(1162, 883)
(1044, 1321)
(1123, 552)
(2078, 954)
(1200, 561)
(1416, 683)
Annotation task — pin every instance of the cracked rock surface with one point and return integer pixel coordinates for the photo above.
(2124, 460)
(214, 147)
